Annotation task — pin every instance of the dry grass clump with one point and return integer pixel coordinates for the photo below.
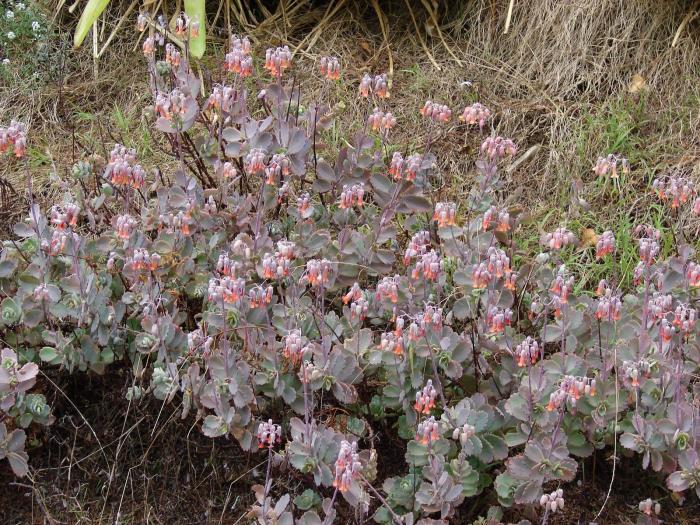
(69, 113)
(573, 79)
(569, 81)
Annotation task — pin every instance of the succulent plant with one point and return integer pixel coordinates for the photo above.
(314, 305)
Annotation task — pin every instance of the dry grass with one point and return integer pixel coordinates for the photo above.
(561, 82)
(572, 79)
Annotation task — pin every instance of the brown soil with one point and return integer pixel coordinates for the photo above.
(164, 470)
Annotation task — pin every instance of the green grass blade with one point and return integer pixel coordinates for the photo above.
(196, 10)
(92, 10)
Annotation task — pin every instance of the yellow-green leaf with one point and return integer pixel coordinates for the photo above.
(196, 10)
(92, 10)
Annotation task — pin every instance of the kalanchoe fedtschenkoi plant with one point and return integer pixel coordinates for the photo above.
(605, 245)
(14, 137)
(558, 239)
(476, 114)
(269, 434)
(278, 60)
(608, 166)
(327, 300)
(553, 501)
(330, 68)
(674, 189)
(375, 85)
(437, 112)
(649, 512)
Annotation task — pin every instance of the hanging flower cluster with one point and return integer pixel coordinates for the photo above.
(142, 261)
(122, 169)
(660, 305)
(124, 226)
(318, 272)
(605, 166)
(255, 161)
(481, 277)
(269, 434)
(172, 55)
(605, 245)
(497, 148)
(275, 266)
(330, 68)
(405, 169)
(553, 501)
(648, 243)
(437, 112)
(59, 239)
(293, 346)
(432, 317)
(354, 294)
(425, 398)
(649, 507)
(239, 60)
(41, 293)
(428, 431)
(149, 46)
(417, 246)
(500, 217)
(609, 306)
(388, 288)
(558, 239)
(259, 296)
(227, 266)
(229, 290)
(359, 309)
(562, 286)
(14, 135)
(463, 433)
(571, 389)
(497, 262)
(141, 21)
(376, 85)
(684, 319)
(277, 60)
(304, 207)
(498, 318)
(429, 266)
(693, 274)
(677, 189)
(381, 121)
(197, 342)
(351, 196)
(347, 466)
(477, 113)
(527, 352)
(392, 341)
(634, 371)
(64, 217)
(221, 98)
(175, 106)
(186, 26)
(445, 214)
(279, 166)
